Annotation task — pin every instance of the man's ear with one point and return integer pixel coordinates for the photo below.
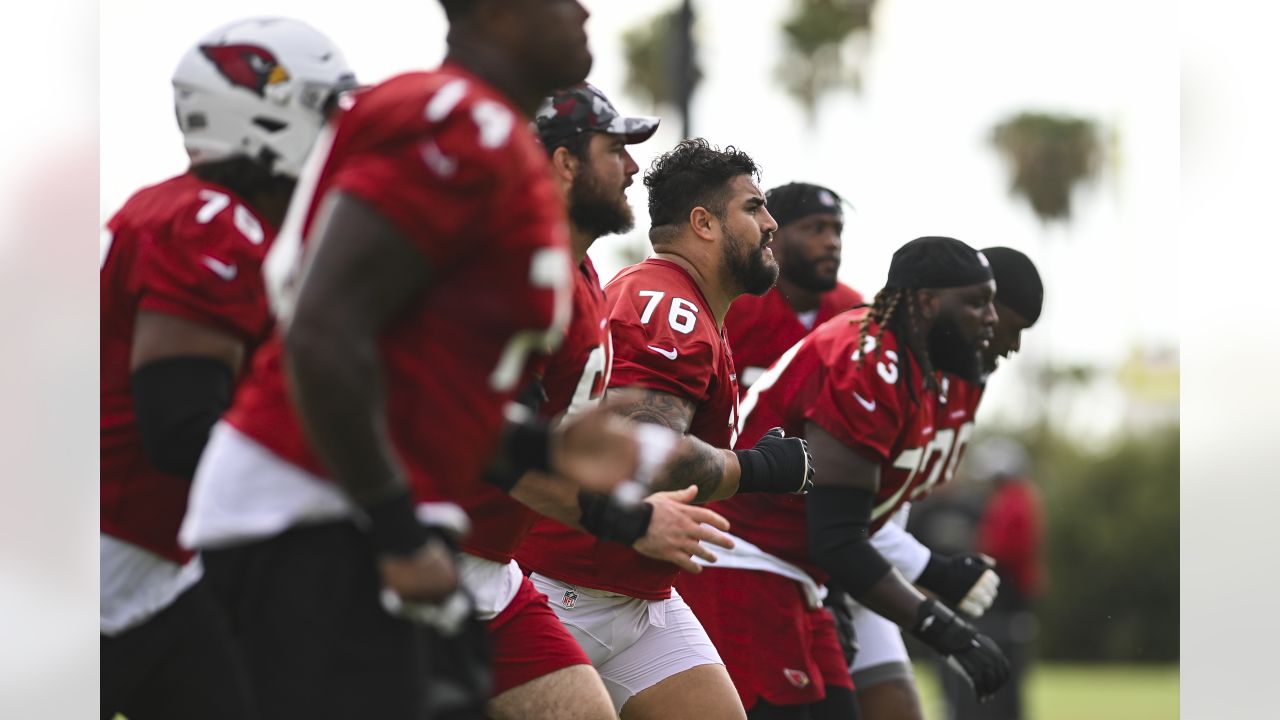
(564, 165)
(704, 223)
(928, 302)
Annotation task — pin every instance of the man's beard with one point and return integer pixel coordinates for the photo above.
(949, 352)
(749, 270)
(595, 210)
(804, 274)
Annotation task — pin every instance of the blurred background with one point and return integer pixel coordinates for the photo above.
(1049, 126)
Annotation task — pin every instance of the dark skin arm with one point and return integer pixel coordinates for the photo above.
(892, 597)
(361, 274)
(157, 336)
(714, 471)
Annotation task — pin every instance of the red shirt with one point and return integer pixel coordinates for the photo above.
(574, 375)
(454, 166)
(867, 406)
(761, 328)
(1010, 531)
(186, 248)
(665, 338)
(577, 373)
(957, 405)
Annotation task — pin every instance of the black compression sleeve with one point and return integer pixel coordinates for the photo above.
(176, 401)
(525, 446)
(839, 539)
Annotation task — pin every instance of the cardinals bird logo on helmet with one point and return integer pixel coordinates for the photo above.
(247, 66)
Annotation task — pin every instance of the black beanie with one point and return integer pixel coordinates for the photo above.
(1018, 284)
(937, 262)
(794, 201)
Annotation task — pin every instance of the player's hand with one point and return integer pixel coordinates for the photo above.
(776, 464)
(597, 449)
(677, 529)
(978, 660)
(424, 588)
(967, 582)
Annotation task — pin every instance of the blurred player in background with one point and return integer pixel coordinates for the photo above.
(182, 308)
(807, 247)
(968, 582)
(672, 367)
(436, 262)
(862, 386)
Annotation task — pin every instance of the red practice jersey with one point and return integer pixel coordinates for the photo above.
(867, 406)
(761, 328)
(186, 248)
(957, 405)
(454, 166)
(574, 377)
(665, 338)
(577, 373)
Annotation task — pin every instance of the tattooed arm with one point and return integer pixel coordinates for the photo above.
(713, 470)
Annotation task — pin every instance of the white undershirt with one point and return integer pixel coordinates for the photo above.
(136, 584)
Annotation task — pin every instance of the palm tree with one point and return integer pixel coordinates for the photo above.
(662, 63)
(817, 58)
(1048, 156)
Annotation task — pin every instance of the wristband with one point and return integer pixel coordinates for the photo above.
(608, 519)
(394, 527)
(754, 471)
(525, 446)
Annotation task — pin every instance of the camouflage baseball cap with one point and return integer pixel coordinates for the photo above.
(582, 108)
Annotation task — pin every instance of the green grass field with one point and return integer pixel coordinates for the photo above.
(1084, 692)
(1080, 692)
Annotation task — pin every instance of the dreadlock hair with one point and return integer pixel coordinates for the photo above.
(884, 310)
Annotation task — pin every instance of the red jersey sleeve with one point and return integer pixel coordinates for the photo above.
(655, 354)
(205, 266)
(861, 404)
(433, 179)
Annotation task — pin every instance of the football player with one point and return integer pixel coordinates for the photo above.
(967, 582)
(807, 247)
(586, 139)
(436, 261)
(182, 308)
(672, 367)
(862, 387)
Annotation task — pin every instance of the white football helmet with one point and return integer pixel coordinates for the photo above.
(260, 88)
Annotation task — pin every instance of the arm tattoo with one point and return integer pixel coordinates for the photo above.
(657, 407)
(696, 462)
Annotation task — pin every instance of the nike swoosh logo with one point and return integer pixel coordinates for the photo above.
(870, 405)
(668, 354)
(226, 271)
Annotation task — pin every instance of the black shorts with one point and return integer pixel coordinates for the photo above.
(180, 663)
(304, 608)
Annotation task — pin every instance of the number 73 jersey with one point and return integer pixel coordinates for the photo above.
(877, 405)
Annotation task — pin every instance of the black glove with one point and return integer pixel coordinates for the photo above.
(966, 582)
(777, 464)
(459, 678)
(978, 659)
(840, 606)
